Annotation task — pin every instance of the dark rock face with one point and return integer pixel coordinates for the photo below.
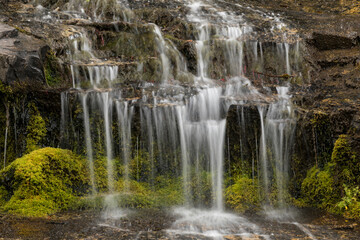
(21, 57)
(329, 42)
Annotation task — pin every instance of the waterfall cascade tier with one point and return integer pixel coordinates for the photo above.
(182, 128)
(206, 119)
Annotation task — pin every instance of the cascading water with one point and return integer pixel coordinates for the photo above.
(125, 114)
(162, 48)
(98, 10)
(182, 133)
(277, 130)
(89, 147)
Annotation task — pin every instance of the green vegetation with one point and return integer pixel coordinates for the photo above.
(165, 192)
(243, 195)
(321, 131)
(36, 129)
(347, 166)
(5, 89)
(49, 180)
(3, 195)
(140, 167)
(51, 66)
(350, 203)
(318, 188)
(43, 182)
(335, 186)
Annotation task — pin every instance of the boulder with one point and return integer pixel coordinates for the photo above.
(21, 57)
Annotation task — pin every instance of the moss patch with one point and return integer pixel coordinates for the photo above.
(43, 182)
(165, 192)
(335, 187)
(36, 129)
(318, 188)
(51, 70)
(243, 195)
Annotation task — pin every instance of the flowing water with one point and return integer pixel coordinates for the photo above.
(183, 128)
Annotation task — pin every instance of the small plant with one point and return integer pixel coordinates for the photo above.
(350, 203)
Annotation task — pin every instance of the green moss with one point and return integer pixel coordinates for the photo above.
(318, 188)
(350, 203)
(347, 166)
(199, 188)
(319, 119)
(36, 129)
(44, 181)
(22, 30)
(166, 192)
(335, 188)
(3, 196)
(322, 137)
(5, 89)
(140, 167)
(130, 45)
(100, 174)
(51, 70)
(243, 195)
(137, 196)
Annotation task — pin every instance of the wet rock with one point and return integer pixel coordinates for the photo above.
(327, 41)
(21, 57)
(7, 32)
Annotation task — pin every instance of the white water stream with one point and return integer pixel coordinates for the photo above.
(196, 124)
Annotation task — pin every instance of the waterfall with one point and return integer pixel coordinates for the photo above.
(183, 127)
(99, 10)
(125, 114)
(89, 147)
(202, 131)
(162, 48)
(105, 103)
(276, 134)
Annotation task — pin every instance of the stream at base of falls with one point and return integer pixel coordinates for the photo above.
(157, 224)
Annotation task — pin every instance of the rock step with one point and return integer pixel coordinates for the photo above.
(7, 32)
(341, 57)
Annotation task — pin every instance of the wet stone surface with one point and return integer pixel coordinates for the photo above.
(155, 224)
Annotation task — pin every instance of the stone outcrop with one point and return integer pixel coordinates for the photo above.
(21, 57)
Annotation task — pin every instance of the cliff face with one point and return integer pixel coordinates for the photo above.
(324, 40)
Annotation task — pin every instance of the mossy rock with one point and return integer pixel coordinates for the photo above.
(36, 129)
(243, 195)
(52, 70)
(165, 192)
(3, 195)
(347, 164)
(43, 182)
(318, 188)
(331, 186)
